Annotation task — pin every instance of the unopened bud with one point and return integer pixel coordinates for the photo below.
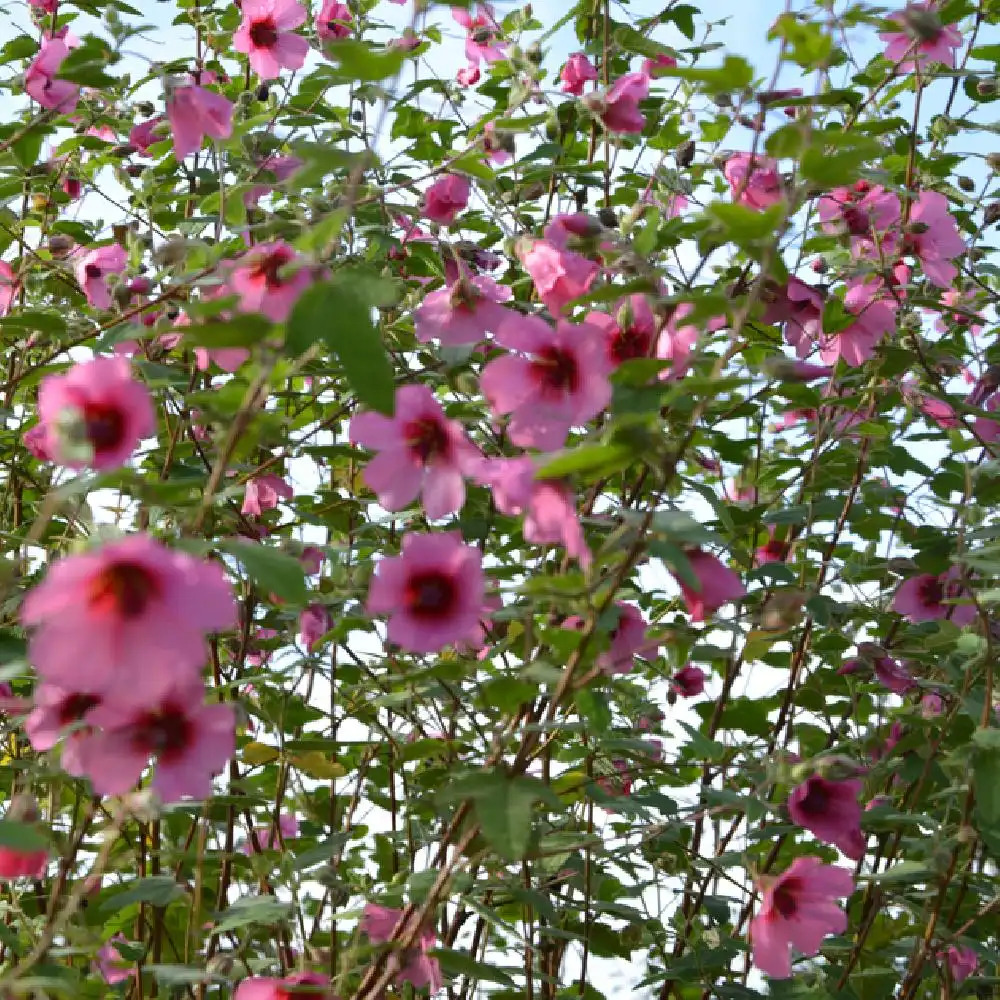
(608, 218)
(145, 109)
(122, 150)
(60, 245)
(993, 161)
(966, 184)
(991, 213)
(684, 153)
(986, 88)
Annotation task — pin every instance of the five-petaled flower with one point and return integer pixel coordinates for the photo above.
(267, 36)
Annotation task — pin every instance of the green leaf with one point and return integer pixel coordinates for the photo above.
(85, 64)
(35, 319)
(836, 156)
(159, 890)
(504, 807)
(242, 330)
(22, 836)
(339, 314)
(986, 785)
(276, 572)
(363, 62)
(598, 459)
(735, 73)
(746, 226)
(252, 910)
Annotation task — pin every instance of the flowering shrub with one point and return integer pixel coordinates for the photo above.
(499, 500)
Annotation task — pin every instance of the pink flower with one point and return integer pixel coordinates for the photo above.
(463, 312)
(270, 280)
(688, 682)
(36, 440)
(95, 414)
(548, 506)
(40, 80)
(195, 112)
(334, 20)
(921, 39)
(830, 811)
(962, 962)
(628, 640)
(754, 180)
(138, 603)
(312, 560)
(863, 211)
(875, 317)
(191, 741)
(415, 966)
(654, 67)
(773, 550)
(420, 451)
(932, 236)
(630, 333)
(558, 379)
(559, 275)
(445, 198)
(143, 134)
(468, 76)
(267, 36)
(314, 623)
(931, 705)
(482, 42)
(717, 585)
(9, 287)
(577, 71)
(618, 106)
(229, 359)
(257, 657)
(499, 147)
(110, 964)
(927, 597)
(282, 167)
(44, 6)
(677, 340)
(297, 986)
(92, 271)
(798, 910)
(798, 308)
(988, 430)
(22, 864)
(432, 592)
(263, 493)
(288, 828)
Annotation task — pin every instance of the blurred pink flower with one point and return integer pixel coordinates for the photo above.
(93, 268)
(264, 493)
(618, 106)
(875, 316)
(559, 275)
(921, 37)
(688, 682)
(415, 966)
(927, 598)
(112, 967)
(314, 623)
(932, 236)
(654, 67)
(40, 81)
(830, 811)
(798, 309)
(462, 312)
(334, 20)
(288, 827)
(445, 198)
(754, 180)
(576, 72)
(630, 333)
(962, 962)
(717, 585)
(297, 986)
(269, 280)
(482, 42)
(195, 112)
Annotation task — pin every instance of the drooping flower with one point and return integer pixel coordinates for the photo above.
(921, 37)
(717, 585)
(798, 309)
(93, 269)
(40, 82)
(932, 236)
(798, 909)
(927, 597)
(334, 20)
(142, 135)
(312, 560)
(267, 36)
(962, 962)
(269, 280)
(556, 380)
(688, 682)
(264, 493)
(432, 592)
(463, 312)
(314, 623)
(482, 41)
(628, 640)
(468, 76)
(618, 106)
(446, 197)
(654, 67)
(95, 414)
(414, 966)
(420, 451)
(288, 828)
(577, 71)
(875, 316)
(893, 675)
(190, 740)
(138, 603)
(112, 967)
(194, 112)
(297, 986)
(559, 275)
(830, 811)
(755, 181)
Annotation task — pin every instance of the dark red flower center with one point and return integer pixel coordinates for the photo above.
(92, 271)
(264, 33)
(75, 707)
(930, 592)
(857, 220)
(777, 548)
(166, 733)
(556, 370)
(426, 437)
(269, 266)
(630, 343)
(430, 595)
(816, 801)
(105, 425)
(784, 897)
(124, 589)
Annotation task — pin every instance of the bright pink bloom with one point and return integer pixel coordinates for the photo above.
(482, 42)
(288, 828)
(143, 134)
(798, 308)
(962, 962)
(264, 493)
(688, 682)
(628, 640)
(191, 741)
(556, 381)
(445, 198)
(754, 180)
(415, 966)
(463, 312)
(334, 20)
(297, 986)
(138, 603)
(229, 359)
(195, 112)
(875, 317)
(921, 38)
(267, 36)
(93, 269)
(40, 80)
(630, 333)
(927, 597)
(865, 212)
(312, 560)
(618, 106)
(9, 287)
(577, 71)
(798, 909)
(22, 864)
(314, 623)
(95, 414)
(270, 280)
(717, 585)
(420, 451)
(548, 506)
(110, 964)
(432, 592)
(468, 76)
(654, 67)
(932, 235)
(36, 440)
(44, 6)
(830, 811)
(559, 275)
